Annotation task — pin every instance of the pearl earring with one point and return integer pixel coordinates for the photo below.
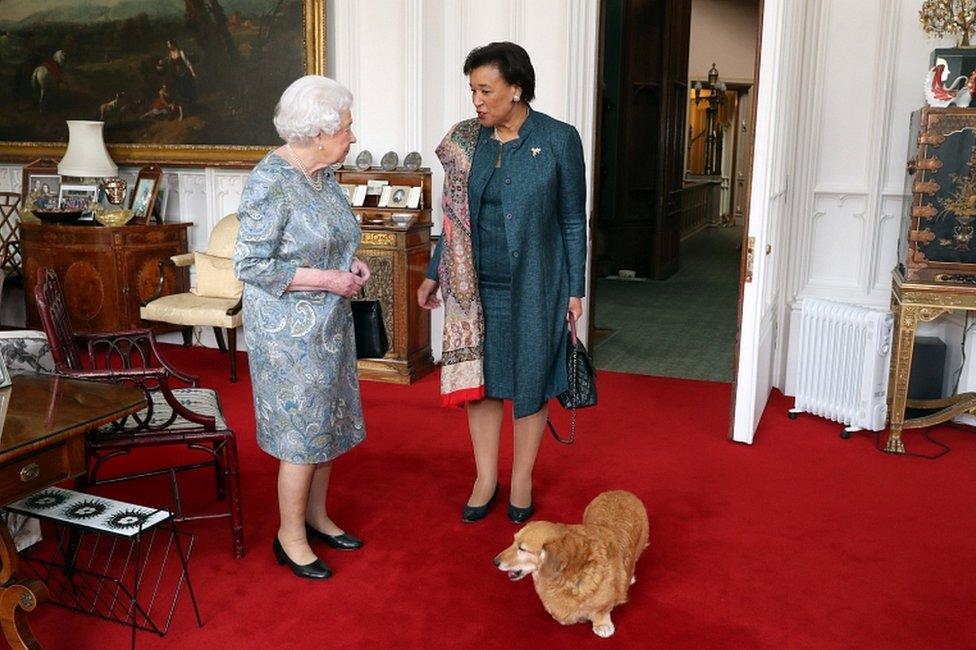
(321, 147)
(516, 98)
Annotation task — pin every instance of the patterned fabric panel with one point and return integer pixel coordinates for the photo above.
(26, 351)
(26, 531)
(89, 511)
(199, 400)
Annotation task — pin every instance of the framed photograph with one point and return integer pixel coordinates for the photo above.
(44, 192)
(144, 192)
(78, 197)
(165, 77)
(413, 201)
(374, 186)
(399, 196)
(36, 176)
(359, 196)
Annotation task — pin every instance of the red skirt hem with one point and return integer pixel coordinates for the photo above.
(460, 397)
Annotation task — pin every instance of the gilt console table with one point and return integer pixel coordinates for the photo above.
(914, 302)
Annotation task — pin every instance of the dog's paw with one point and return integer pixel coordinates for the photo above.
(604, 631)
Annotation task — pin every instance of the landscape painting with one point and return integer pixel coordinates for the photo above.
(192, 81)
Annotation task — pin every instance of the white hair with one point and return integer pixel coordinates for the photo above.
(311, 105)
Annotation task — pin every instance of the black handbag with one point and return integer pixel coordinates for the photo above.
(367, 320)
(581, 379)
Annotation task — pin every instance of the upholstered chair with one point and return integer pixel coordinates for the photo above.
(215, 301)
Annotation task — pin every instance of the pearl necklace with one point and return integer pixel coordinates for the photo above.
(317, 183)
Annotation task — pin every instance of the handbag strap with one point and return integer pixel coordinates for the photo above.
(572, 430)
(572, 426)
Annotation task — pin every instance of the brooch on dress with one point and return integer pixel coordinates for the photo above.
(536, 151)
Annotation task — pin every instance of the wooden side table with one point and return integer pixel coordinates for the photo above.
(914, 302)
(107, 272)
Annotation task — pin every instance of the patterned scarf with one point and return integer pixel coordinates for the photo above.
(462, 375)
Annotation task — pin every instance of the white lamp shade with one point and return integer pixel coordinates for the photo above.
(86, 155)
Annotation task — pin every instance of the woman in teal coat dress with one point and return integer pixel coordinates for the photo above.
(510, 266)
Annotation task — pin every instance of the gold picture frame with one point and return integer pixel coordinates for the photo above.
(313, 29)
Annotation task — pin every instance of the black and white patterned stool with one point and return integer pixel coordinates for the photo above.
(106, 546)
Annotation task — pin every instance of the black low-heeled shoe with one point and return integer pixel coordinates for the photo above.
(471, 514)
(343, 542)
(518, 515)
(316, 570)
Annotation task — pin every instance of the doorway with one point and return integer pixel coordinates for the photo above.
(674, 159)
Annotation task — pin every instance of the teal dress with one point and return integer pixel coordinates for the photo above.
(531, 212)
(495, 286)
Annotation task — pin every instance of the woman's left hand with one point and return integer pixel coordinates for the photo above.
(358, 267)
(575, 308)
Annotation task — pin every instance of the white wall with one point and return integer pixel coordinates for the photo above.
(402, 60)
(723, 32)
(864, 64)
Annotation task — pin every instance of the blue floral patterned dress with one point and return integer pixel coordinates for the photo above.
(301, 344)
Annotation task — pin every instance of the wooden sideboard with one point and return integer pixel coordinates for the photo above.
(106, 271)
(397, 256)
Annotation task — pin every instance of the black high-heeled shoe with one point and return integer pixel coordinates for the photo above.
(471, 514)
(343, 542)
(518, 515)
(316, 570)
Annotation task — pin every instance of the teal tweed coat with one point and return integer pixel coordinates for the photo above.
(544, 201)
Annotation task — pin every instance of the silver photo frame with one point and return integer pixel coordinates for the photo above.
(364, 160)
(412, 161)
(389, 161)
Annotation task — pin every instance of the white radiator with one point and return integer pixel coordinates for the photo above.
(842, 367)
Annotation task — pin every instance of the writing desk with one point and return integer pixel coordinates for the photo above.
(42, 442)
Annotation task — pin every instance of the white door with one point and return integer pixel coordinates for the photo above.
(775, 127)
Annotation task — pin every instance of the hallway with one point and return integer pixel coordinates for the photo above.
(680, 327)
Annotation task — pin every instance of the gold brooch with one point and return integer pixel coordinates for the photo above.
(536, 151)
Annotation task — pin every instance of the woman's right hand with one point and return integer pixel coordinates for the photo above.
(427, 294)
(344, 283)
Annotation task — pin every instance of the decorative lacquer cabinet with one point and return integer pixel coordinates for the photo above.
(938, 233)
(397, 255)
(105, 272)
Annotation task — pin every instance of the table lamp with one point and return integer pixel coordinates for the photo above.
(86, 156)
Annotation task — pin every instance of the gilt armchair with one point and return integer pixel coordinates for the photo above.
(214, 302)
(179, 412)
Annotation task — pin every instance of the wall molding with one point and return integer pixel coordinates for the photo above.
(413, 75)
(806, 158)
(516, 29)
(879, 143)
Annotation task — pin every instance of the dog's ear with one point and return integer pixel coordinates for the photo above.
(555, 554)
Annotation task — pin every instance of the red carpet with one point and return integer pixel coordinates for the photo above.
(802, 540)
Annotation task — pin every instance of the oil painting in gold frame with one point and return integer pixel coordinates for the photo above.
(195, 86)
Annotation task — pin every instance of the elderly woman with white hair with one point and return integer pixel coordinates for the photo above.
(295, 255)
